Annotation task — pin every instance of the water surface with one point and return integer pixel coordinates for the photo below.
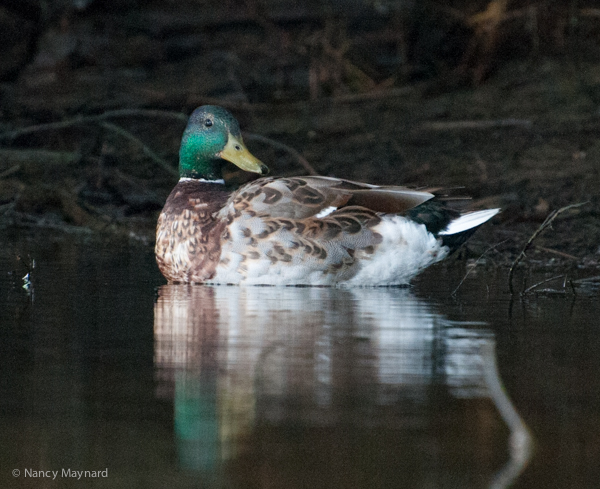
(105, 368)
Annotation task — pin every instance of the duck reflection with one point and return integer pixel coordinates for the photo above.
(234, 358)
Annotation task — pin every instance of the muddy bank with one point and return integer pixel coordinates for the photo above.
(118, 88)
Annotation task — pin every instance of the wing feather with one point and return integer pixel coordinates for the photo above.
(302, 197)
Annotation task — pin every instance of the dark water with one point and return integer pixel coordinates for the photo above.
(104, 368)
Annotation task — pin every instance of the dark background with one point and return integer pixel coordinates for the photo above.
(498, 97)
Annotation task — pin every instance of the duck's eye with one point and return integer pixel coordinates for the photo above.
(208, 122)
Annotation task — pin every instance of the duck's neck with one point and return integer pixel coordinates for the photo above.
(196, 158)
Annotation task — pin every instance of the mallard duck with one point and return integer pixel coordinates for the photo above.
(297, 230)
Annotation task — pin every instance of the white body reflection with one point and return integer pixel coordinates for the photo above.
(233, 357)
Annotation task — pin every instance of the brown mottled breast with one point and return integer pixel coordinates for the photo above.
(188, 242)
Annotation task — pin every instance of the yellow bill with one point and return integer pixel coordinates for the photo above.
(235, 152)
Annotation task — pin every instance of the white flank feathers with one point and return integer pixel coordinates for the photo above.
(468, 221)
(407, 249)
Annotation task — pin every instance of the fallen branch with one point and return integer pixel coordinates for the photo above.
(101, 119)
(529, 289)
(556, 252)
(104, 117)
(4, 208)
(164, 164)
(553, 215)
(75, 121)
(483, 124)
(31, 221)
(10, 171)
(595, 278)
(303, 161)
(23, 156)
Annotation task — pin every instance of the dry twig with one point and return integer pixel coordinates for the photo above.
(474, 265)
(303, 161)
(13, 169)
(534, 286)
(164, 164)
(556, 252)
(75, 121)
(24, 156)
(595, 278)
(482, 124)
(102, 120)
(539, 230)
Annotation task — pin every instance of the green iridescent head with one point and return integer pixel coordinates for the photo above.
(212, 137)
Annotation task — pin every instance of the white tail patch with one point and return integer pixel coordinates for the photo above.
(468, 221)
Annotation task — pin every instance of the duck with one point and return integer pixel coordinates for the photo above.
(297, 231)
